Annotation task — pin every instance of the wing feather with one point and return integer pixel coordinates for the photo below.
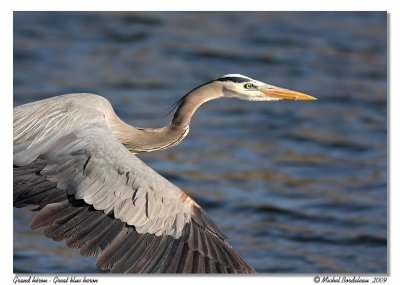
(89, 190)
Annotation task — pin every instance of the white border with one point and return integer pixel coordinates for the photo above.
(6, 71)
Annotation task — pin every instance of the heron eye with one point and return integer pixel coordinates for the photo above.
(248, 85)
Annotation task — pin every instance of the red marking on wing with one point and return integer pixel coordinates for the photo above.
(186, 199)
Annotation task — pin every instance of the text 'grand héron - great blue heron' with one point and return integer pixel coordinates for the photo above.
(75, 166)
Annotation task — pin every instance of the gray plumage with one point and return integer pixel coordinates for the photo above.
(75, 165)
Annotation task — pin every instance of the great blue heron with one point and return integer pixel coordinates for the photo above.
(75, 166)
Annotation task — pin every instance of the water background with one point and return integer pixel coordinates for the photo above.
(298, 187)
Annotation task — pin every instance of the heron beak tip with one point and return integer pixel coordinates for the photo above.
(307, 97)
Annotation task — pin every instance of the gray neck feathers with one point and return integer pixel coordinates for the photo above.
(146, 140)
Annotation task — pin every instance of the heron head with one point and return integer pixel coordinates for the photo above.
(246, 88)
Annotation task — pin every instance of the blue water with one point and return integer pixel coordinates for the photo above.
(298, 187)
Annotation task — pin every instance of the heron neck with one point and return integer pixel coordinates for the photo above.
(146, 140)
(192, 101)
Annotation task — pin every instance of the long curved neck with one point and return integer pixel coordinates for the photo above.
(146, 140)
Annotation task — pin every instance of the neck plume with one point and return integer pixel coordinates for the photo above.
(139, 140)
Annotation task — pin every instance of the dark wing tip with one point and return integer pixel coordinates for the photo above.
(120, 249)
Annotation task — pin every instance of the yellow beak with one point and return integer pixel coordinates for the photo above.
(282, 93)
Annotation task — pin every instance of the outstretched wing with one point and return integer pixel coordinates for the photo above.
(88, 189)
